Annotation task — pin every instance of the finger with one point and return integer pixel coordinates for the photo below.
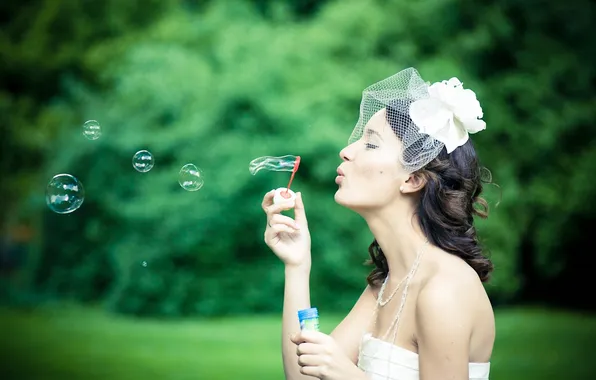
(309, 349)
(277, 228)
(267, 200)
(279, 207)
(285, 220)
(295, 338)
(299, 213)
(314, 371)
(310, 360)
(316, 337)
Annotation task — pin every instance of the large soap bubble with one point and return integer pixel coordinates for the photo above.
(64, 194)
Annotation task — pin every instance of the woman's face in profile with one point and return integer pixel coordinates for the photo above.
(371, 173)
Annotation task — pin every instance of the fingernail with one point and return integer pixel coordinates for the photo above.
(297, 226)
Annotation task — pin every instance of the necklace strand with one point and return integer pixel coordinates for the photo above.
(395, 322)
(382, 303)
(397, 317)
(404, 295)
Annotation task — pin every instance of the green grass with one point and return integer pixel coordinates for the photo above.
(72, 343)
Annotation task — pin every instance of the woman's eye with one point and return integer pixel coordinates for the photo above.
(371, 146)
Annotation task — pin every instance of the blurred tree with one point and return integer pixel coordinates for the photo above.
(41, 42)
(300, 9)
(542, 74)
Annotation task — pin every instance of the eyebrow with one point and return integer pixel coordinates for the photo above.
(373, 132)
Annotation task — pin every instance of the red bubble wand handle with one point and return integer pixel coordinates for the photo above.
(286, 194)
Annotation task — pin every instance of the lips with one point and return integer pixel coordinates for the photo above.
(340, 176)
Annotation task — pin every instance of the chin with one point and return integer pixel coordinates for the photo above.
(342, 199)
(338, 198)
(362, 205)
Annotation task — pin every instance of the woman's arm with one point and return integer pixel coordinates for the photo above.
(296, 297)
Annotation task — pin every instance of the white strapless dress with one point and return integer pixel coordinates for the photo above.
(381, 360)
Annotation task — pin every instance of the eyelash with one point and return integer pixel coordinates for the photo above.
(371, 146)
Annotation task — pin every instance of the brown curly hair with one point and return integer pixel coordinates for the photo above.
(448, 203)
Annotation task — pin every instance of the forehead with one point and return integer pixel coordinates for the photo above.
(379, 128)
(378, 120)
(378, 123)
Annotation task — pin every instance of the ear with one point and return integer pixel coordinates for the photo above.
(413, 184)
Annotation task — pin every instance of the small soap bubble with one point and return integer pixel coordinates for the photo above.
(91, 130)
(190, 178)
(144, 263)
(143, 161)
(64, 194)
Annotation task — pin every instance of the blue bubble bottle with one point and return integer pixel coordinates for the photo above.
(309, 319)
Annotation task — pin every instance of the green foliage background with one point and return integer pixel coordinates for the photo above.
(220, 83)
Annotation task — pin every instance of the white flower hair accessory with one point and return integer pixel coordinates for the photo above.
(449, 114)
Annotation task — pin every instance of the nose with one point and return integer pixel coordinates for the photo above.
(347, 153)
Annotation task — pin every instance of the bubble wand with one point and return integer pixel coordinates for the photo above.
(294, 170)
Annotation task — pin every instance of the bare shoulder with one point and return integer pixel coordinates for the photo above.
(452, 306)
(454, 282)
(453, 287)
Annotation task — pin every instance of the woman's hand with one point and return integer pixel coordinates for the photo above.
(319, 356)
(288, 238)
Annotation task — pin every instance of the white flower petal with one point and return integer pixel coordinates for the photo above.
(473, 125)
(442, 134)
(454, 136)
(429, 115)
(465, 105)
(454, 82)
(435, 90)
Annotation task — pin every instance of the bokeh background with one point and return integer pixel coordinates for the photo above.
(147, 280)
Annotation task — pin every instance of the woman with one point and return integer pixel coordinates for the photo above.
(411, 172)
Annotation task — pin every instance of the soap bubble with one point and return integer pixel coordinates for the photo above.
(143, 161)
(64, 194)
(190, 178)
(91, 130)
(286, 163)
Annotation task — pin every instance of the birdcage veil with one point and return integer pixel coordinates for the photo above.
(426, 118)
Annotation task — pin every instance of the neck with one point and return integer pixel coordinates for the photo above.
(399, 236)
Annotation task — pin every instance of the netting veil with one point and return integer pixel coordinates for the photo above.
(426, 118)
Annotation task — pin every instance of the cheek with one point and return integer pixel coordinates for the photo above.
(371, 175)
(382, 168)
(382, 179)
(379, 168)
